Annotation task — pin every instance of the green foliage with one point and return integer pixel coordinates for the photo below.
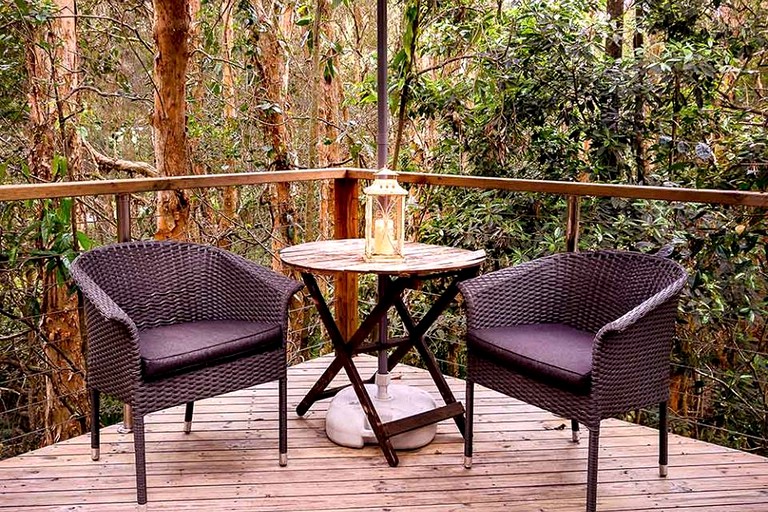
(527, 90)
(18, 19)
(514, 89)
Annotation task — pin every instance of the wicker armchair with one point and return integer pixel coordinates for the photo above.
(169, 323)
(583, 335)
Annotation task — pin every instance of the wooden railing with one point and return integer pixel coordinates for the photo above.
(347, 195)
(563, 188)
(347, 191)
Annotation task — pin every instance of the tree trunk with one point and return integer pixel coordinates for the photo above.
(638, 122)
(329, 118)
(411, 22)
(229, 196)
(269, 63)
(171, 32)
(613, 48)
(53, 76)
(615, 40)
(311, 227)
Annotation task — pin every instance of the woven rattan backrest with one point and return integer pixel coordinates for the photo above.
(158, 283)
(604, 285)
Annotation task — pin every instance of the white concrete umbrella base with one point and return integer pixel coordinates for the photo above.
(347, 425)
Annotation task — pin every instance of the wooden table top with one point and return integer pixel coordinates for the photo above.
(333, 256)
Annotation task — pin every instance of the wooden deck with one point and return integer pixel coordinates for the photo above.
(524, 461)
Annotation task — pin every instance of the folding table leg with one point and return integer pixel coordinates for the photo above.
(316, 393)
(370, 411)
(336, 338)
(416, 334)
(437, 376)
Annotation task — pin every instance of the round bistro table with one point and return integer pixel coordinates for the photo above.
(421, 262)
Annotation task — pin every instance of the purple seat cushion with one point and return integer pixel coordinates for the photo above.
(554, 353)
(174, 349)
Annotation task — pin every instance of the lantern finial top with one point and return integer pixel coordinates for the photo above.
(385, 174)
(385, 183)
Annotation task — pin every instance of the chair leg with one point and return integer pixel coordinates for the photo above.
(594, 443)
(141, 463)
(283, 420)
(188, 417)
(470, 399)
(95, 430)
(663, 440)
(575, 431)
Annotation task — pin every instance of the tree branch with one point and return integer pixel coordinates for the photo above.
(743, 108)
(108, 94)
(106, 163)
(446, 62)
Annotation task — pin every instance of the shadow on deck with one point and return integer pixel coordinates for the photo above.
(524, 461)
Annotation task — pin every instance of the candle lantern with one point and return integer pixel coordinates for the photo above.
(385, 218)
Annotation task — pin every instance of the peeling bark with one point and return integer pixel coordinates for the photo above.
(229, 195)
(171, 32)
(108, 164)
(615, 41)
(269, 62)
(53, 81)
(330, 112)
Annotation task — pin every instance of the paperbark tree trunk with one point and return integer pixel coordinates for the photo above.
(613, 48)
(615, 41)
(229, 195)
(329, 150)
(325, 120)
(52, 66)
(171, 33)
(638, 140)
(311, 220)
(269, 64)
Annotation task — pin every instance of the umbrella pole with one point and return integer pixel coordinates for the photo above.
(381, 153)
(381, 83)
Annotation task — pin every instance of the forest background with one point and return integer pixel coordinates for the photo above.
(667, 93)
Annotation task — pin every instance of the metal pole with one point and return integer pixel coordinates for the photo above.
(572, 245)
(381, 154)
(572, 225)
(124, 235)
(381, 83)
(383, 377)
(123, 218)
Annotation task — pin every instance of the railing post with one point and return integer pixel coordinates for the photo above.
(572, 225)
(346, 221)
(123, 217)
(123, 206)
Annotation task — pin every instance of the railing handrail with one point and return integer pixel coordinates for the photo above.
(577, 188)
(565, 188)
(136, 185)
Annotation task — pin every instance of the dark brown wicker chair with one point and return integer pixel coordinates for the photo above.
(584, 335)
(169, 323)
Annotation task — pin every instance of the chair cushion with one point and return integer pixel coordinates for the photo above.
(553, 353)
(174, 349)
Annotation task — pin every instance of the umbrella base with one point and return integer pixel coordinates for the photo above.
(347, 425)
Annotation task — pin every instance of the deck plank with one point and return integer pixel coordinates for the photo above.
(524, 461)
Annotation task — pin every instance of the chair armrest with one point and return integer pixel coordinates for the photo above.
(100, 301)
(643, 309)
(114, 363)
(630, 357)
(517, 295)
